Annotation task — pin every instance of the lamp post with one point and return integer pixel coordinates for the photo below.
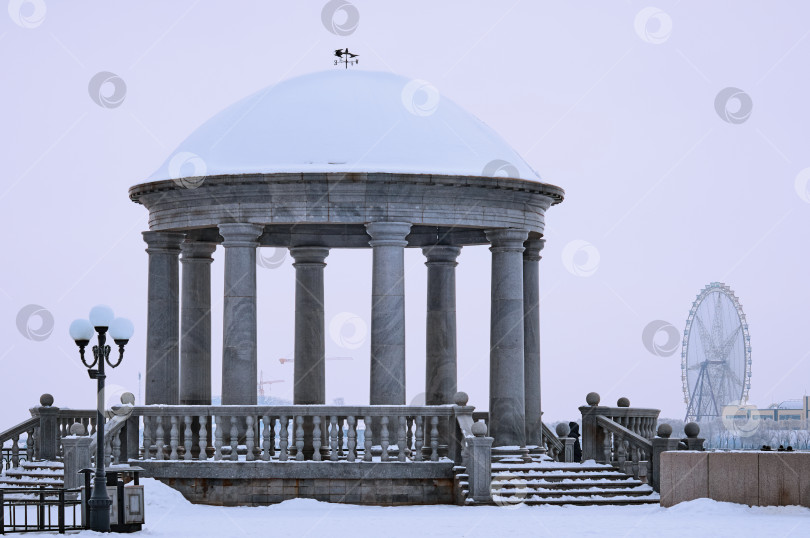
(102, 320)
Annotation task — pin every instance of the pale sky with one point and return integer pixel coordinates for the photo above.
(611, 101)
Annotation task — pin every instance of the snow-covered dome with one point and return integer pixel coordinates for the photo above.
(345, 121)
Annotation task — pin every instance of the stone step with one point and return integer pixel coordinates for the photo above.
(533, 475)
(42, 465)
(530, 493)
(553, 467)
(556, 486)
(592, 501)
(26, 482)
(36, 473)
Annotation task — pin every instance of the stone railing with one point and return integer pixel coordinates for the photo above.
(625, 437)
(600, 443)
(476, 449)
(556, 447)
(336, 433)
(625, 449)
(27, 431)
(55, 424)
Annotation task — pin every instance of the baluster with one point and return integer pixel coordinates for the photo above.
(634, 462)
(340, 436)
(299, 438)
(621, 455)
(187, 438)
(147, 438)
(203, 437)
(160, 439)
(272, 436)
(401, 439)
(93, 425)
(249, 438)
(15, 451)
(384, 439)
(218, 438)
(317, 437)
(434, 438)
(234, 439)
(333, 438)
(30, 444)
(409, 434)
(417, 453)
(116, 448)
(607, 446)
(174, 436)
(367, 434)
(351, 453)
(648, 475)
(265, 438)
(283, 433)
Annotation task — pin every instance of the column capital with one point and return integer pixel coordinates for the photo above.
(388, 234)
(506, 239)
(309, 255)
(240, 234)
(441, 254)
(533, 248)
(163, 242)
(197, 251)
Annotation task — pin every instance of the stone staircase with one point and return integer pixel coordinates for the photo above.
(535, 479)
(33, 475)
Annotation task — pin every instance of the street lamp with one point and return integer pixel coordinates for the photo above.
(102, 320)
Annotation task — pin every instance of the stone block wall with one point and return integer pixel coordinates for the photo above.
(752, 478)
(258, 483)
(264, 491)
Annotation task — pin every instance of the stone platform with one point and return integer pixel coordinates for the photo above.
(261, 483)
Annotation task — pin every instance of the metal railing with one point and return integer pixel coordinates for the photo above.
(39, 509)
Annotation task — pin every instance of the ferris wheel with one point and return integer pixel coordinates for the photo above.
(716, 354)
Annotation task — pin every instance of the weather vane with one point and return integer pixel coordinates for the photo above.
(345, 57)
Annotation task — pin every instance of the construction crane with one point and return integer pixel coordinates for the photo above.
(262, 383)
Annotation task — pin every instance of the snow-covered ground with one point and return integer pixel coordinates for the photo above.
(168, 514)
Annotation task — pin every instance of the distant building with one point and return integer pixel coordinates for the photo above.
(787, 410)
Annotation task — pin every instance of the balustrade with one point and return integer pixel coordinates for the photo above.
(278, 433)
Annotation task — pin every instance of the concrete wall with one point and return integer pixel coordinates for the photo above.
(752, 478)
(260, 483)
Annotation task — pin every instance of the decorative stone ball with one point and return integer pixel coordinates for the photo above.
(664, 431)
(623, 402)
(46, 400)
(479, 429)
(461, 399)
(562, 429)
(128, 398)
(78, 428)
(592, 398)
(691, 430)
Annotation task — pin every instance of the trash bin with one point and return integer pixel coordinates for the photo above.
(127, 509)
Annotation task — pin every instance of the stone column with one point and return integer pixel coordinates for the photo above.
(310, 341)
(507, 406)
(239, 313)
(163, 318)
(531, 340)
(195, 323)
(441, 372)
(388, 312)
